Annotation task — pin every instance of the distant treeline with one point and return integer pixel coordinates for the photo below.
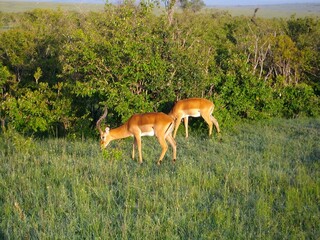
(58, 69)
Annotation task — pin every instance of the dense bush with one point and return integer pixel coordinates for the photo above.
(57, 69)
(299, 100)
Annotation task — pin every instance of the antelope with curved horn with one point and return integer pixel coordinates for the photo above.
(147, 124)
(193, 107)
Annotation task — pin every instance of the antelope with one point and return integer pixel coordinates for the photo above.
(147, 124)
(193, 107)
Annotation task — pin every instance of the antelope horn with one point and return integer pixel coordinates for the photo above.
(98, 124)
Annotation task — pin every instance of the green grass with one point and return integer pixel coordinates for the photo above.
(261, 182)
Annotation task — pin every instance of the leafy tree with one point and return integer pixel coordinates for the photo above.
(299, 101)
(59, 68)
(194, 5)
(306, 34)
(17, 52)
(8, 87)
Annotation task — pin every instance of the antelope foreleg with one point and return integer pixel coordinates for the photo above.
(164, 147)
(186, 121)
(138, 143)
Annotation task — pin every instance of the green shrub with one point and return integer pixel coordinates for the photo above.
(300, 100)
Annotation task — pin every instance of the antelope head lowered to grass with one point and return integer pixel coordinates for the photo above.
(146, 124)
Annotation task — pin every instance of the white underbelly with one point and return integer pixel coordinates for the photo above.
(196, 114)
(150, 133)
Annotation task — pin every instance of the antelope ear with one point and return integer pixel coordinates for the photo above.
(107, 130)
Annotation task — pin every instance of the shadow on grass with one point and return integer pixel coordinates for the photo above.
(313, 157)
(2, 235)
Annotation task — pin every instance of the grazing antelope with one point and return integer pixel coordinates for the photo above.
(193, 107)
(147, 124)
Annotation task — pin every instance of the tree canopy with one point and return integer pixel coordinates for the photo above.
(59, 68)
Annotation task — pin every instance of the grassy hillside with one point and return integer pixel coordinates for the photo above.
(21, 6)
(261, 182)
(265, 11)
(275, 11)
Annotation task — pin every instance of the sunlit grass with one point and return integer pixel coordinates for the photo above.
(262, 181)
